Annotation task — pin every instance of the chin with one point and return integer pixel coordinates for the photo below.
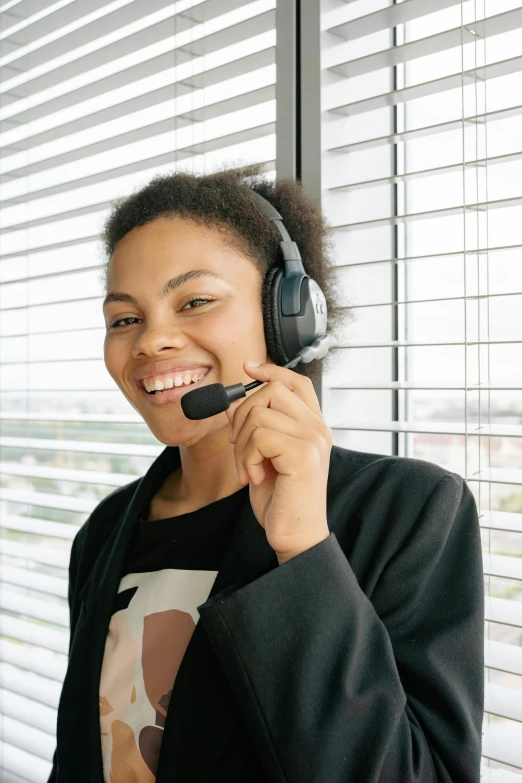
(166, 435)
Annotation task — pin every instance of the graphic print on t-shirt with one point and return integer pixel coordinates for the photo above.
(154, 616)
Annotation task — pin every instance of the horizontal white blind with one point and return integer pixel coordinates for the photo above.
(422, 181)
(95, 99)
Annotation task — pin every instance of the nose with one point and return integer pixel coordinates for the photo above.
(154, 339)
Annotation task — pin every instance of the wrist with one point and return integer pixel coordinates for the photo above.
(283, 557)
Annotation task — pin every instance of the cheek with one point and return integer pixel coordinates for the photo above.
(242, 325)
(113, 357)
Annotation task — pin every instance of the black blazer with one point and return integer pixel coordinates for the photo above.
(358, 661)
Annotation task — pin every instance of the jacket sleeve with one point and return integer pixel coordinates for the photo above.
(336, 686)
(73, 561)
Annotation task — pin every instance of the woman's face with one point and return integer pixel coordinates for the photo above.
(165, 332)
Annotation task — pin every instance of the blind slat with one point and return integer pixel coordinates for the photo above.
(64, 474)
(502, 701)
(403, 385)
(504, 657)
(497, 476)
(493, 775)
(424, 130)
(135, 450)
(40, 583)
(40, 527)
(29, 684)
(456, 254)
(385, 18)
(35, 608)
(505, 567)
(393, 220)
(33, 713)
(49, 663)
(409, 176)
(94, 418)
(501, 520)
(434, 428)
(38, 554)
(425, 89)
(35, 634)
(47, 500)
(499, 610)
(431, 44)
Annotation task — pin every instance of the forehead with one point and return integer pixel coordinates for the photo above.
(171, 238)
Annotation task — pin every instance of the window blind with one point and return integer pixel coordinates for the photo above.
(95, 99)
(422, 151)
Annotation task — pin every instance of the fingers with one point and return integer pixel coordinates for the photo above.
(265, 419)
(289, 455)
(276, 396)
(300, 385)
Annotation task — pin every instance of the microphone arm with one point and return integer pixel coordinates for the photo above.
(213, 399)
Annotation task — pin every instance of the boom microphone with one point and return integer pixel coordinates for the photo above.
(210, 400)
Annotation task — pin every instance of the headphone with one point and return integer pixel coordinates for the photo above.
(294, 306)
(294, 318)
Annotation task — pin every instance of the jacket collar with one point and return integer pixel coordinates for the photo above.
(202, 704)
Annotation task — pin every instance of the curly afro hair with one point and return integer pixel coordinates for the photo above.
(220, 200)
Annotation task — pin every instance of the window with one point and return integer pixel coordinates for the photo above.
(96, 98)
(421, 179)
(408, 132)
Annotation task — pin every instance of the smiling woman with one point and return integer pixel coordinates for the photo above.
(262, 605)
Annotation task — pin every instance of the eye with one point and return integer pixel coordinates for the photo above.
(196, 299)
(116, 324)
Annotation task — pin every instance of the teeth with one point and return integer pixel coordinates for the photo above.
(169, 382)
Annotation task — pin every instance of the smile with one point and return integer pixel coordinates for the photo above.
(160, 398)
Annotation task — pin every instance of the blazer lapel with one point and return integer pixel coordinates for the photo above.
(203, 710)
(78, 723)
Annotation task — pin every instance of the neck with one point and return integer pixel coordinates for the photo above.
(207, 472)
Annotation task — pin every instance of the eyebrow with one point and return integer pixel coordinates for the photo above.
(170, 285)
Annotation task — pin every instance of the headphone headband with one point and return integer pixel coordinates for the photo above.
(294, 269)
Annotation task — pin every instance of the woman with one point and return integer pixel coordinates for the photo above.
(261, 605)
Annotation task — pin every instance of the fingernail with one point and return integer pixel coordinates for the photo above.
(252, 364)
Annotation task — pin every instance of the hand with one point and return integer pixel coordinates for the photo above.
(282, 448)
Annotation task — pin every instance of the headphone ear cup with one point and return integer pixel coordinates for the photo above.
(271, 296)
